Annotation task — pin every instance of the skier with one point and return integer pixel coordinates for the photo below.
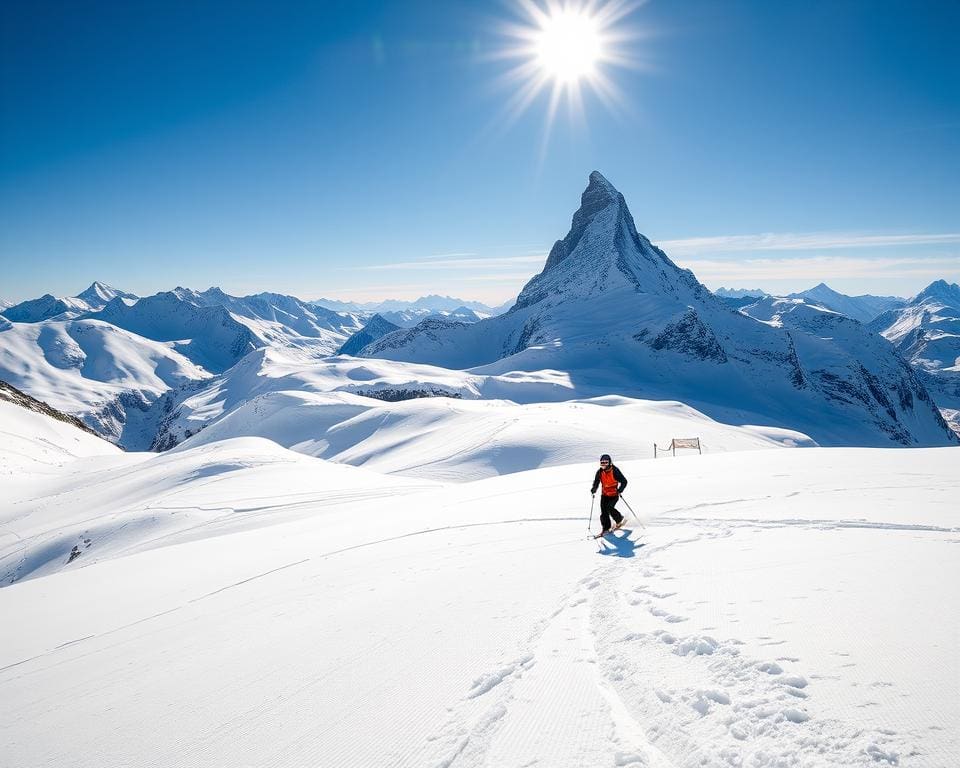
(613, 482)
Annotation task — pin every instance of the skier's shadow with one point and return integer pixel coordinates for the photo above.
(619, 546)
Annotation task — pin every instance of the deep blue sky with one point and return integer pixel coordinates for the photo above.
(307, 147)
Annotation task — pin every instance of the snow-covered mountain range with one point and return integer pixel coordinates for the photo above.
(863, 308)
(739, 293)
(110, 366)
(407, 318)
(610, 314)
(49, 307)
(612, 311)
(220, 329)
(425, 305)
(927, 333)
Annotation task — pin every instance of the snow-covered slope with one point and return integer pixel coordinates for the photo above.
(863, 308)
(127, 503)
(102, 374)
(459, 440)
(771, 309)
(927, 333)
(612, 312)
(39, 439)
(241, 605)
(464, 426)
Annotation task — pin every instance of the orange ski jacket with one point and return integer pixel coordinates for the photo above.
(611, 479)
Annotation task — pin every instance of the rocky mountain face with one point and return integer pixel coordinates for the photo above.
(375, 328)
(615, 314)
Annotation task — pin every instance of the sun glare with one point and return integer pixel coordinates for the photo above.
(567, 47)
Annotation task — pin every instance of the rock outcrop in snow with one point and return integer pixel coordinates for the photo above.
(13, 395)
(613, 311)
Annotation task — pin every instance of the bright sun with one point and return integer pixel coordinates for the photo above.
(563, 47)
(569, 45)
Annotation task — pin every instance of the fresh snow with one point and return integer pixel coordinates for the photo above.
(236, 603)
(357, 410)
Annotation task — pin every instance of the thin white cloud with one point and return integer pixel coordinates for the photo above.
(494, 262)
(798, 242)
(820, 268)
(516, 279)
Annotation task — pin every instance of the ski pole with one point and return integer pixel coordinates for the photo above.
(593, 500)
(631, 511)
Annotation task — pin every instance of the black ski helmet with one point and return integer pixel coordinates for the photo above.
(606, 457)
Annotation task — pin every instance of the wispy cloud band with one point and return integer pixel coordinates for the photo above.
(818, 268)
(496, 262)
(799, 242)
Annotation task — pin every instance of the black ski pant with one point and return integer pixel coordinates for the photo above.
(608, 508)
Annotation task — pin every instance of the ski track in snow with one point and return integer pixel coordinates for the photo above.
(664, 646)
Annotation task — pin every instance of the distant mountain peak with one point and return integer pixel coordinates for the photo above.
(99, 294)
(603, 251)
(941, 290)
(598, 184)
